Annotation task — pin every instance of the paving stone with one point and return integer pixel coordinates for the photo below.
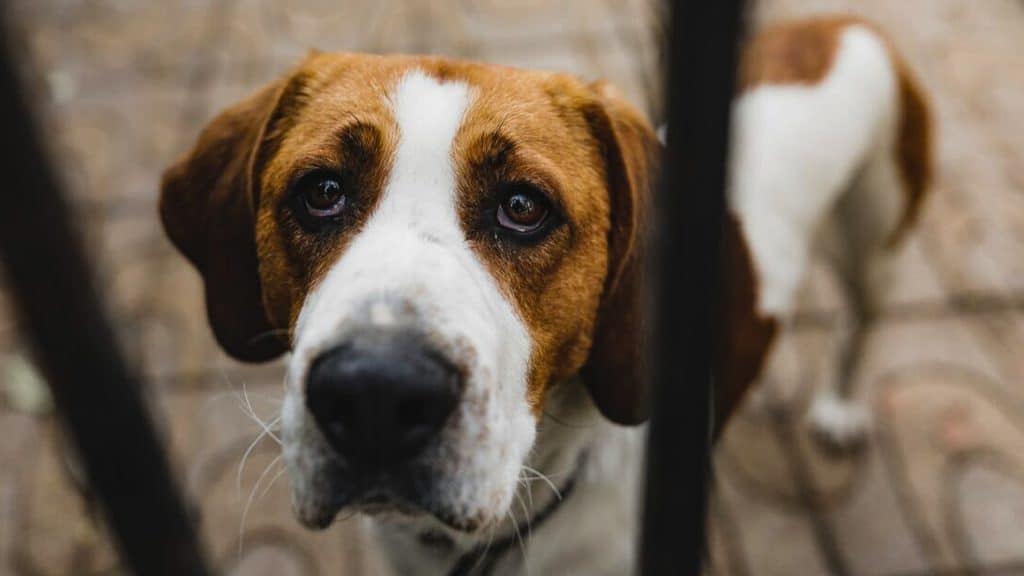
(989, 512)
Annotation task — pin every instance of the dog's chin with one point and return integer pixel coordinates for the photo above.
(388, 506)
(321, 512)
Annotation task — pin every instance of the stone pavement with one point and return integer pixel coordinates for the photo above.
(125, 86)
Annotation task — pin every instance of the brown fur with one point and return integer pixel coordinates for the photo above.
(799, 52)
(915, 148)
(206, 209)
(616, 371)
(747, 335)
(529, 127)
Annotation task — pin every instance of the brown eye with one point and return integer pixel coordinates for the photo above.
(523, 211)
(322, 194)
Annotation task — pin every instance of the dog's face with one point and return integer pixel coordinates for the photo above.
(438, 243)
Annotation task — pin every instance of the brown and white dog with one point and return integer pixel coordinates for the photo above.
(451, 253)
(832, 159)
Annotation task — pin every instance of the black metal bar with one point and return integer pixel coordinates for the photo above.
(97, 394)
(688, 217)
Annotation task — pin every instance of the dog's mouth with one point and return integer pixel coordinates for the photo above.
(405, 497)
(391, 422)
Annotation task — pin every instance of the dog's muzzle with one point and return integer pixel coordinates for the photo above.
(379, 398)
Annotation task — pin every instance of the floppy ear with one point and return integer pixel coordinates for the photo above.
(615, 371)
(207, 209)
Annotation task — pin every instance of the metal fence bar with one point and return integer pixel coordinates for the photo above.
(96, 393)
(688, 216)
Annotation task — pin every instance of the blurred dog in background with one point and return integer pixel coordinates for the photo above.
(832, 158)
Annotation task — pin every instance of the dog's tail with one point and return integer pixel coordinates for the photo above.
(914, 146)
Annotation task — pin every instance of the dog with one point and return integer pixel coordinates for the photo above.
(832, 159)
(453, 255)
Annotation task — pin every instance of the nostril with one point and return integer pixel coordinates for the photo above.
(410, 415)
(332, 397)
(336, 416)
(419, 416)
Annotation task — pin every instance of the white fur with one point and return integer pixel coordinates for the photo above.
(596, 530)
(592, 533)
(840, 423)
(411, 263)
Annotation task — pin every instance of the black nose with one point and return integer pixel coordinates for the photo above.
(378, 399)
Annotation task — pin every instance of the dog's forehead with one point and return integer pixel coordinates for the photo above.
(345, 87)
(543, 114)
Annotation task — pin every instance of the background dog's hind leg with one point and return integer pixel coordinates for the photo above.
(855, 246)
(839, 421)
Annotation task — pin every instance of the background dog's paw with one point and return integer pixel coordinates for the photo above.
(839, 426)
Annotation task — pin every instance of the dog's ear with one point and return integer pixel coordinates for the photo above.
(208, 211)
(615, 371)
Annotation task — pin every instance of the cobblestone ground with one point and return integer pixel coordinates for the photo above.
(126, 85)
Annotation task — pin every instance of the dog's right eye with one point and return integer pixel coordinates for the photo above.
(319, 198)
(322, 194)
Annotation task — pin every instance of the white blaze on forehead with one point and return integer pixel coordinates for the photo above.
(410, 267)
(428, 114)
(417, 206)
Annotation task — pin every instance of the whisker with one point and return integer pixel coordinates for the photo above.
(560, 421)
(248, 451)
(487, 548)
(525, 482)
(266, 428)
(210, 402)
(529, 532)
(248, 410)
(541, 476)
(272, 332)
(519, 536)
(529, 492)
(352, 514)
(248, 503)
(527, 479)
(280, 472)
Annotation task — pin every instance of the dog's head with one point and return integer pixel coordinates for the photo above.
(438, 243)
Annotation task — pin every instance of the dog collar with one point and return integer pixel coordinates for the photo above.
(481, 560)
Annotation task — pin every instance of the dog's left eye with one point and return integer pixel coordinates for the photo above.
(322, 194)
(523, 210)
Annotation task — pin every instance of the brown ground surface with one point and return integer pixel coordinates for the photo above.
(126, 85)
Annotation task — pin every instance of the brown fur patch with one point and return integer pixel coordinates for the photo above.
(616, 371)
(526, 127)
(914, 148)
(339, 121)
(206, 210)
(800, 52)
(747, 335)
